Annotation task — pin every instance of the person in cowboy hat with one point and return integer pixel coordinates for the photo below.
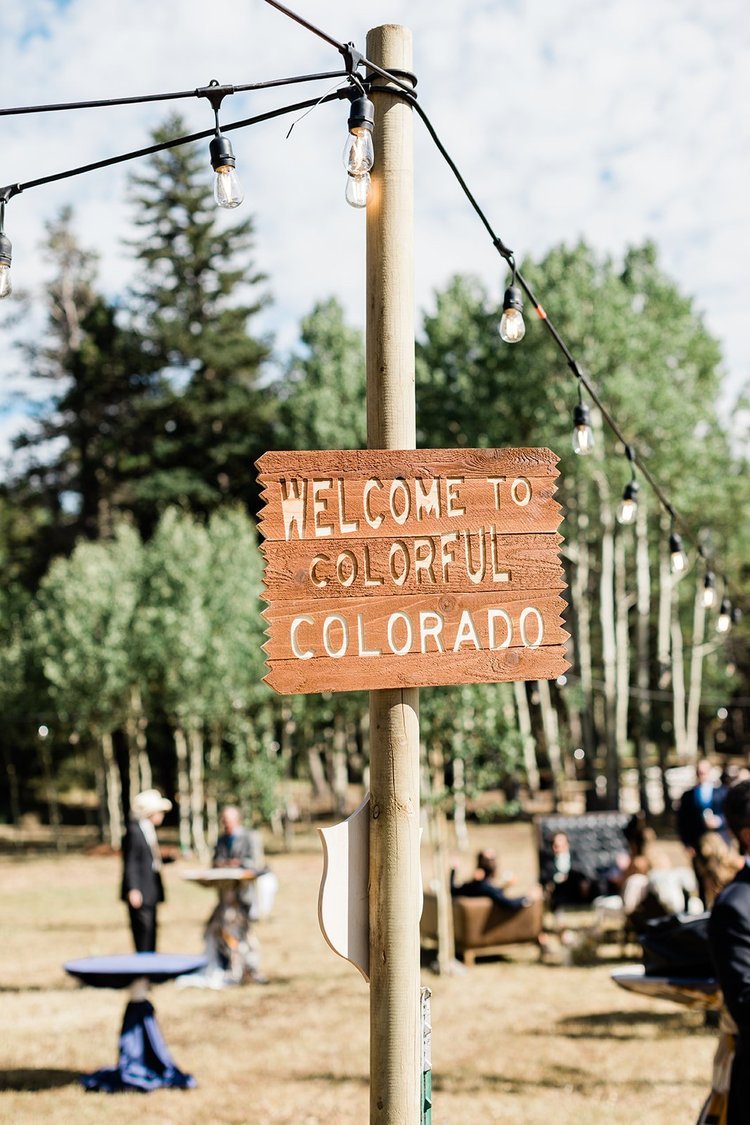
(142, 888)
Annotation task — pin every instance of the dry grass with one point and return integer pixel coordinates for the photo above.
(513, 1040)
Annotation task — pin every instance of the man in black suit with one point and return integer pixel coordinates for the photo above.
(142, 888)
(701, 810)
(729, 938)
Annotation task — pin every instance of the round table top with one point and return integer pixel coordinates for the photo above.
(120, 970)
(209, 877)
(693, 992)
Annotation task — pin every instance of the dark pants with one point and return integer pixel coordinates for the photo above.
(738, 1105)
(143, 925)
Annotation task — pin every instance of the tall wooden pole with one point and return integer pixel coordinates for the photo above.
(394, 892)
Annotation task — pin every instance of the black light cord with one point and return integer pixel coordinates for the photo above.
(400, 85)
(199, 92)
(11, 190)
(508, 256)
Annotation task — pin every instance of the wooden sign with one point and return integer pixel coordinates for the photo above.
(411, 568)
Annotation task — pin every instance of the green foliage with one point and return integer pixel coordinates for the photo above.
(82, 628)
(322, 397)
(196, 294)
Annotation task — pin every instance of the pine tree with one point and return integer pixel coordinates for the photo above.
(196, 293)
(75, 448)
(323, 393)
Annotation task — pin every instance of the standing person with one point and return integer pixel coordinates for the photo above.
(236, 846)
(701, 810)
(230, 937)
(142, 888)
(729, 939)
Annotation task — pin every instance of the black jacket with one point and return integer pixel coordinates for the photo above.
(690, 821)
(729, 938)
(483, 888)
(138, 867)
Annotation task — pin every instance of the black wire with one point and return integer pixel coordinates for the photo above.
(199, 92)
(348, 50)
(398, 88)
(16, 189)
(507, 254)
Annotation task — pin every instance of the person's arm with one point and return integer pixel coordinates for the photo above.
(131, 868)
(729, 936)
(246, 855)
(498, 895)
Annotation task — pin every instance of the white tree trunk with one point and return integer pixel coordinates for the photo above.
(609, 648)
(340, 778)
(580, 596)
(459, 805)
(183, 788)
(197, 790)
(551, 735)
(113, 790)
(678, 679)
(665, 607)
(527, 738)
(696, 675)
(643, 617)
(437, 828)
(622, 646)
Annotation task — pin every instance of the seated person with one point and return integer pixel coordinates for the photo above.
(563, 881)
(483, 885)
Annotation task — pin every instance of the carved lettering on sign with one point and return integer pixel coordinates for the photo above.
(408, 568)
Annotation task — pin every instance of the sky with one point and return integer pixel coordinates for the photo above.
(612, 121)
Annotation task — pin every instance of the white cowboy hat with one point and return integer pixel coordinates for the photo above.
(148, 802)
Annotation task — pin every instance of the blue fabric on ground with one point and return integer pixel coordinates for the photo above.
(145, 1063)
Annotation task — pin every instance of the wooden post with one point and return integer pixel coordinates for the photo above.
(395, 1033)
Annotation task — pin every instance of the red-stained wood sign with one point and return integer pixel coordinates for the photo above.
(411, 568)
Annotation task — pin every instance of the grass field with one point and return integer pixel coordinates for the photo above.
(513, 1040)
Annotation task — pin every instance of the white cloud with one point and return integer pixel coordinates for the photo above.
(609, 121)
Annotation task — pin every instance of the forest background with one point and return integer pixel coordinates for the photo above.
(130, 627)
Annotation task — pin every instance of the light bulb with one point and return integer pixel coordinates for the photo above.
(6, 257)
(512, 327)
(357, 188)
(724, 620)
(583, 435)
(359, 153)
(678, 558)
(628, 507)
(709, 590)
(227, 188)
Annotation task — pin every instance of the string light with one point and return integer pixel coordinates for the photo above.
(512, 327)
(628, 507)
(677, 557)
(583, 435)
(6, 256)
(709, 590)
(724, 620)
(228, 191)
(359, 153)
(222, 159)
